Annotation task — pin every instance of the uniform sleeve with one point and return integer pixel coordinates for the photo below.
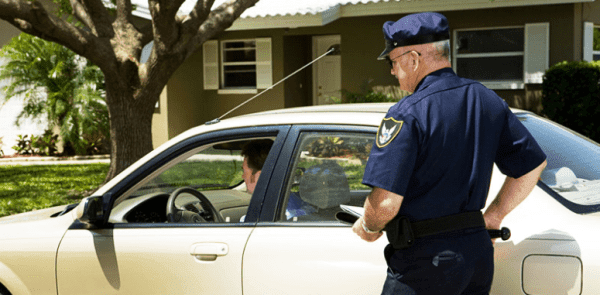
(518, 152)
(391, 163)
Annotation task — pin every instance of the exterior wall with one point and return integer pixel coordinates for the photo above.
(190, 105)
(361, 43)
(160, 121)
(7, 32)
(565, 43)
(590, 12)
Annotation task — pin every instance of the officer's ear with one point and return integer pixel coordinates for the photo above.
(415, 60)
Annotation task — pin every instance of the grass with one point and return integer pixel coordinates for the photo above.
(26, 188)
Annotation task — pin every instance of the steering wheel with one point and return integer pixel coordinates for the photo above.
(175, 214)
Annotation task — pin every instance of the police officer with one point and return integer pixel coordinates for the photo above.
(431, 166)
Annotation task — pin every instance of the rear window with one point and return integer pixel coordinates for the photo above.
(573, 172)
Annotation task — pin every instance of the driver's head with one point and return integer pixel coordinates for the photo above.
(255, 154)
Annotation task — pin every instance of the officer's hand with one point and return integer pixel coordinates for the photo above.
(492, 222)
(358, 229)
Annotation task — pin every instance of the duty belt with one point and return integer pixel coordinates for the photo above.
(402, 233)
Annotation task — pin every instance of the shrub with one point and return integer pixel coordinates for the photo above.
(370, 93)
(45, 144)
(23, 146)
(571, 96)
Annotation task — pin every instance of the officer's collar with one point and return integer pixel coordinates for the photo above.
(432, 77)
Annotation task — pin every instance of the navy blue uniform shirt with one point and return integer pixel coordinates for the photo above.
(437, 147)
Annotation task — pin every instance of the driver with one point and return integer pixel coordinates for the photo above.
(255, 154)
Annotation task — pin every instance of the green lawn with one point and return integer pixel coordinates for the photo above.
(25, 188)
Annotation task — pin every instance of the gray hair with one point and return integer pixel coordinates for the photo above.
(442, 48)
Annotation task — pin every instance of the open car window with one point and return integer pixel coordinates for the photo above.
(327, 171)
(573, 172)
(214, 171)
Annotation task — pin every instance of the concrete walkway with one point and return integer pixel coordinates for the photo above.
(54, 160)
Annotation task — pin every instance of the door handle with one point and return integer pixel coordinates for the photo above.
(209, 251)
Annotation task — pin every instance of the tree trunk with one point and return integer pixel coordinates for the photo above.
(130, 126)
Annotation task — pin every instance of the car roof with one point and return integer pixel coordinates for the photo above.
(336, 108)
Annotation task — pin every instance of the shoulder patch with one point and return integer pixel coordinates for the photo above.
(387, 131)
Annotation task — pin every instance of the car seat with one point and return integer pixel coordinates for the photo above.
(325, 187)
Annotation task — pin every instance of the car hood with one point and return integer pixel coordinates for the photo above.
(33, 215)
(46, 224)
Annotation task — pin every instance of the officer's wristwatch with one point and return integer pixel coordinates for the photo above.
(367, 230)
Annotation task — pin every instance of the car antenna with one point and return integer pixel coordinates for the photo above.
(331, 49)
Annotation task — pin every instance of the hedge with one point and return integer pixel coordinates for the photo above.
(571, 96)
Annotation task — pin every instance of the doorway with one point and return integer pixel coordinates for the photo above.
(327, 72)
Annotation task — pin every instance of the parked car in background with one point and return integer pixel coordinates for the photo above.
(284, 238)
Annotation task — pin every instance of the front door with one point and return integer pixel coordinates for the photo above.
(327, 72)
(181, 227)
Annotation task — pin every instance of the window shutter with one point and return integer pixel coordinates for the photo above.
(537, 48)
(588, 41)
(210, 55)
(264, 69)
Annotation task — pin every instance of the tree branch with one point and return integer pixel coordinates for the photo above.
(218, 20)
(198, 15)
(32, 18)
(165, 23)
(124, 9)
(81, 14)
(99, 16)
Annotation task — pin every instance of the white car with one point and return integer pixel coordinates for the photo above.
(284, 238)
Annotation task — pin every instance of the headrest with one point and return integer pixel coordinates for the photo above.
(325, 185)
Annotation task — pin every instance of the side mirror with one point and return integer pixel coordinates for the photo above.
(90, 211)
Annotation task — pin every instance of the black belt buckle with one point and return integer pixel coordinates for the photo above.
(399, 233)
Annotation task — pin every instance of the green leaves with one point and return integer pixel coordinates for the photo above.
(60, 85)
(570, 94)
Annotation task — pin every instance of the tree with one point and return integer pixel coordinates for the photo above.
(60, 85)
(113, 42)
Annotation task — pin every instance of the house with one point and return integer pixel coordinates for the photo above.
(505, 44)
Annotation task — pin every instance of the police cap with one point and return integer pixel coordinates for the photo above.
(413, 29)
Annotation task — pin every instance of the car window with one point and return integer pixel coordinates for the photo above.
(327, 171)
(205, 180)
(573, 171)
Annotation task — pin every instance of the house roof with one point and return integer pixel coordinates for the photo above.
(308, 13)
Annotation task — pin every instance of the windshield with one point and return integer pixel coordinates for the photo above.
(573, 171)
(210, 169)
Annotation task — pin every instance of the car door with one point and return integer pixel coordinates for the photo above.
(298, 247)
(141, 252)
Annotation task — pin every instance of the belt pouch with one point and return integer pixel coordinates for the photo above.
(399, 233)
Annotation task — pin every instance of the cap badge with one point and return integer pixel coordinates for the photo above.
(388, 130)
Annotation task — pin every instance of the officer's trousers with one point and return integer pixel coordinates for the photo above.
(460, 262)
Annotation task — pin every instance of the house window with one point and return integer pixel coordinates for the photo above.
(503, 58)
(237, 66)
(490, 55)
(596, 52)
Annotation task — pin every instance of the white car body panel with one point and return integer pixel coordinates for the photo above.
(117, 261)
(540, 225)
(29, 243)
(281, 260)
